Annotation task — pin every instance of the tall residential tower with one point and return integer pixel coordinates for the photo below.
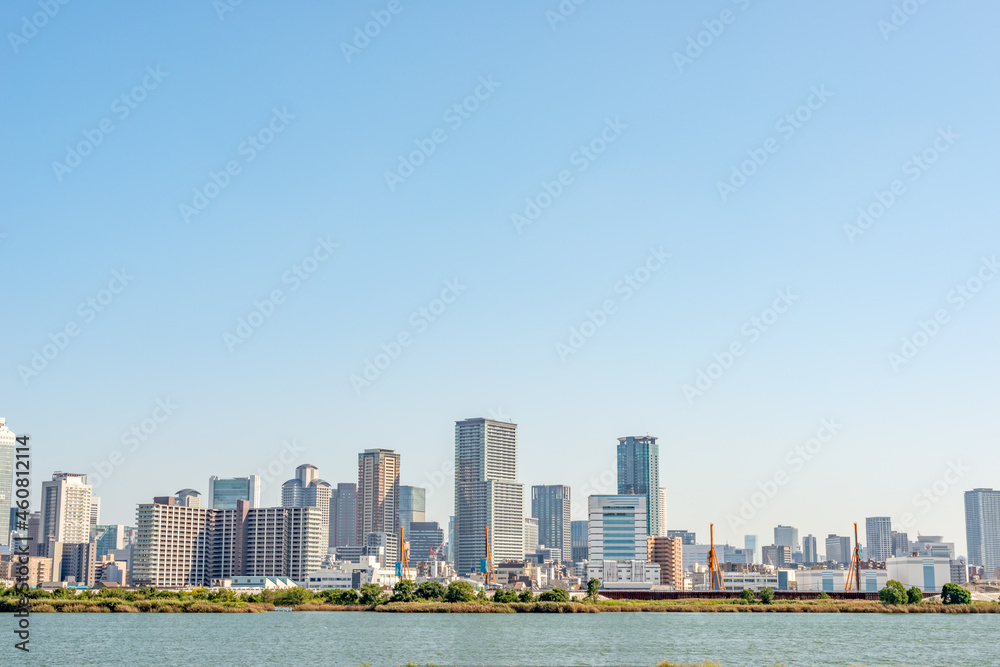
(639, 474)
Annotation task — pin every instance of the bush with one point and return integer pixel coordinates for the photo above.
(370, 594)
(914, 595)
(404, 591)
(748, 595)
(593, 586)
(767, 595)
(893, 593)
(505, 596)
(293, 597)
(526, 596)
(460, 591)
(555, 595)
(341, 596)
(431, 590)
(955, 594)
(823, 596)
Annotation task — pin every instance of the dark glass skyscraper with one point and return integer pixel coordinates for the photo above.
(343, 515)
(639, 474)
(551, 506)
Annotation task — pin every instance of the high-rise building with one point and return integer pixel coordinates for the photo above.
(878, 534)
(95, 510)
(669, 553)
(551, 506)
(378, 495)
(787, 536)
(306, 489)
(426, 541)
(412, 506)
(530, 535)
(450, 537)
(7, 445)
(66, 509)
(109, 538)
(838, 549)
(344, 515)
(487, 494)
(618, 527)
(639, 474)
(181, 545)
(223, 492)
(900, 544)
(751, 542)
(982, 530)
(810, 553)
(687, 537)
(777, 555)
(663, 512)
(580, 537)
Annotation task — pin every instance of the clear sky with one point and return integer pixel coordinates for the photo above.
(595, 170)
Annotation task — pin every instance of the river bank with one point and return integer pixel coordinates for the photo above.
(115, 605)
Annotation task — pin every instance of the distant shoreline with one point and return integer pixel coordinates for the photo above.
(111, 605)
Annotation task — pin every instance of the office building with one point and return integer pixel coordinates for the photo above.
(580, 537)
(412, 506)
(188, 498)
(66, 509)
(487, 494)
(618, 527)
(73, 562)
(838, 549)
(530, 535)
(639, 474)
(306, 489)
(110, 538)
(735, 555)
(751, 542)
(426, 541)
(629, 575)
(878, 538)
(550, 505)
(931, 545)
(927, 574)
(696, 554)
(668, 553)
(900, 544)
(224, 492)
(344, 515)
(810, 553)
(378, 495)
(787, 536)
(872, 581)
(8, 443)
(35, 534)
(777, 555)
(450, 548)
(95, 510)
(687, 537)
(982, 530)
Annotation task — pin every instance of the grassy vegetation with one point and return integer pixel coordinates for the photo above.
(459, 598)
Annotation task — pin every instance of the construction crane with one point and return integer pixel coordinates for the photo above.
(714, 570)
(402, 569)
(854, 574)
(486, 564)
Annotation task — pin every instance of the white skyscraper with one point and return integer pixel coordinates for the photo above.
(663, 513)
(95, 510)
(878, 530)
(487, 494)
(66, 509)
(306, 489)
(7, 444)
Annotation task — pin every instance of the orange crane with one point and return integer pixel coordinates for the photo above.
(487, 563)
(854, 574)
(715, 571)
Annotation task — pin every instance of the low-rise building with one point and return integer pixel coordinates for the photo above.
(624, 574)
(737, 581)
(827, 580)
(927, 574)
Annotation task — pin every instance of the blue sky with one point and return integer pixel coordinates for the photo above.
(329, 127)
